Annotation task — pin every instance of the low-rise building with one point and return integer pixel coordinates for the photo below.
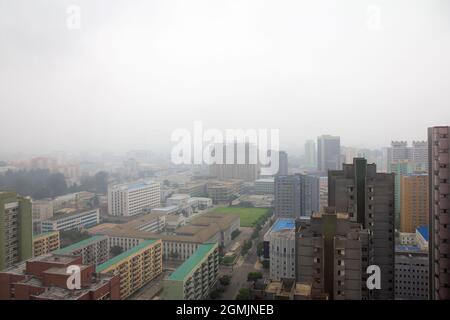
(181, 243)
(224, 191)
(203, 203)
(194, 188)
(94, 250)
(195, 278)
(71, 220)
(45, 278)
(287, 289)
(45, 243)
(135, 267)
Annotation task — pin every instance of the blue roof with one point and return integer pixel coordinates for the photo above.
(282, 224)
(423, 230)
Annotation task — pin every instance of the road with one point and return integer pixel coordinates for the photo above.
(243, 266)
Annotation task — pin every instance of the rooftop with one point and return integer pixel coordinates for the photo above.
(282, 224)
(44, 235)
(424, 232)
(139, 185)
(78, 245)
(123, 256)
(72, 214)
(186, 268)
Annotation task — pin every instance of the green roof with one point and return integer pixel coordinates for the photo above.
(78, 245)
(194, 260)
(123, 256)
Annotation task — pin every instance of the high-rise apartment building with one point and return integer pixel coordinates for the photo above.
(419, 156)
(16, 233)
(296, 195)
(310, 154)
(416, 155)
(439, 201)
(399, 168)
(328, 153)
(368, 197)
(397, 152)
(133, 198)
(414, 202)
(332, 254)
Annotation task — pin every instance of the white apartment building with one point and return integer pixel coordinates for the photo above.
(73, 220)
(133, 198)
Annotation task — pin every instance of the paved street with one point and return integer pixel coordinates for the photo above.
(241, 269)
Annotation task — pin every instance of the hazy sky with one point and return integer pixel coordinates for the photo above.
(369, 71)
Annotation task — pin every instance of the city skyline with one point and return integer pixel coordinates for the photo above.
(132, 74)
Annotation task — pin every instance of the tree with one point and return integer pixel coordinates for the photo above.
(253, 276)
(116, 250)
(244, 294)
(260, 249)
(225, 280)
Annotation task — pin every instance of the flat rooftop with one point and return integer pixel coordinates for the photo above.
(123, 256)
(71, 214)
(44, 235)
(78, 245)
(186, 268)
(282, 224)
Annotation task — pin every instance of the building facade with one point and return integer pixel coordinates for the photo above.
(411, 273)
(135, 267)
(45, 243)
(280, 240)
(296, 195)
(414, 202)
(328, 153)
(332, 255)
(310, 154)
(70, 221)
(196, 277)
(133, 198)
(94, 250)
(368, 198)
(16, 243)
(264, 186)
(439, 187)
